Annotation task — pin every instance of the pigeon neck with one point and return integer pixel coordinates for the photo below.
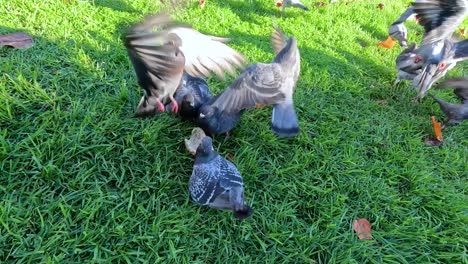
(205, 157)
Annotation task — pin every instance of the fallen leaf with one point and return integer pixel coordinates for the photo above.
(260, 105)
(462, 32)
(16, 40)
(320, 4)
(382, 102)
(201, 3)
(437, 129)
(432, 142)
(363, 228)
(381, 6)
(230, 156)
(195, 139)
(388, 43)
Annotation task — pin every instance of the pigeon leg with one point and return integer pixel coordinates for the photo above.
(175, 106)
(160, 105)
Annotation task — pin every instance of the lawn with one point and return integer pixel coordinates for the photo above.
(84, 181)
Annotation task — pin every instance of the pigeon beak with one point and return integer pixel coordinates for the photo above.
(425, 80)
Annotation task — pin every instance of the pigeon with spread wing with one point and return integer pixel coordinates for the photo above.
(161, 50)
(260, 83)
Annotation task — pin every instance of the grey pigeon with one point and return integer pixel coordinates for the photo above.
(293, 3)
(191, 95)
(455, 113)
(216, 182)
(439, 51)
(397, 29)
(407, 65)
(260, 83)
(160, 58)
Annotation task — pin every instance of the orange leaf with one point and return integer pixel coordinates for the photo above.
(462, 32)
(437, 129)
(279, 3)
(363, 228)
(259, 105)
(388, 43)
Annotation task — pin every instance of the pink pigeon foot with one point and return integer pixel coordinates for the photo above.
(160, 106)
(175, 106)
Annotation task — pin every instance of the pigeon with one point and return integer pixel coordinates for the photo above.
(191, 95)
(397, 29)
(462, 87)
(439, 51)
(407, 64)
(293, 3)
(216, 182)
(160, 58)
(260, 83)
(455, 113)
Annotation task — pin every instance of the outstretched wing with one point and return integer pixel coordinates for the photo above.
(258, 84)
(154, 56)
(440, 18)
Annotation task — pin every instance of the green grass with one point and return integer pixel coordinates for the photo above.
(83, 181)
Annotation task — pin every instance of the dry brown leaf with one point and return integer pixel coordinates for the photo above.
(432, 142)
(388, 43)
(437, 129)
(230, 156)
(320, 4)
(462, 32)
(381, 6)
(201, 3)
(19, 40)
(382, 102)
(363, 228)
(195, 139)
(260, 105)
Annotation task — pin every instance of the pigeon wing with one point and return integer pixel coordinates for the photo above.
(258, 84)
(440, 18)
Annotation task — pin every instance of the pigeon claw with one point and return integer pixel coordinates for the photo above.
(175, 106)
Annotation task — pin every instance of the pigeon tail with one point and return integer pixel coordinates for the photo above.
(301, 6)
(243, 213)
(284, 120)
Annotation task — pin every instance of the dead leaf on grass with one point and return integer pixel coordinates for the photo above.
(18, 40)
(388, 43)
(363, 228)
(381, 6)
(432, 142)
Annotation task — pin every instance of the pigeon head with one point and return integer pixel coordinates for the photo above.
(188, 101)
(208, 118)
(206, 147)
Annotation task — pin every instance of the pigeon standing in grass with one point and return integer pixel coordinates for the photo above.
(191, 95)
(160, 57)
(260, 83)
(455, 113)
(397, 29)
(216, 182)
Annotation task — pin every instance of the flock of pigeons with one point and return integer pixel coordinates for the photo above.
(438, 53)
(171, 59)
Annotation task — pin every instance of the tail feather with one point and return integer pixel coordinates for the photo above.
(244, 213)
(301, 6)
(284, 120)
